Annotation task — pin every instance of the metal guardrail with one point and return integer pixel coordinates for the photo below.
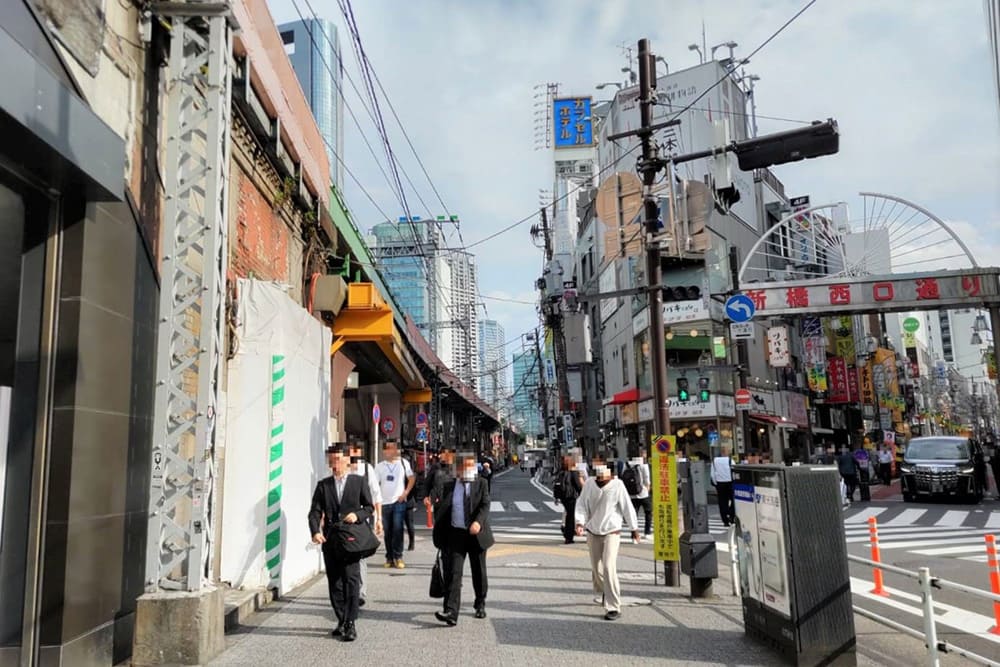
(927, 584)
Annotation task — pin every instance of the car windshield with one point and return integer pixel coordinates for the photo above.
(938, 449)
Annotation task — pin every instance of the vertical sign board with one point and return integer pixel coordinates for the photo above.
(666, 538)
(572, 122)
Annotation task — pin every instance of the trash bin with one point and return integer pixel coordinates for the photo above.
(794, 579)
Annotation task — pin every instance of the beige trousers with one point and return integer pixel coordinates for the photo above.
(604, 568)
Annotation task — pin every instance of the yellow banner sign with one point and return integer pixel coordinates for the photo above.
(666, 535)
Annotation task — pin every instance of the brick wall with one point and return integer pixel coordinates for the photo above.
(261, 245)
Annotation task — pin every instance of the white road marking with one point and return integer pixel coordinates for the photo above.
(937, 537)
(947, 551)
(932, 542)
(523, 506)
(496, 506)
(864, 515)
(994, 519)
(952, 518)
(554, 506)
(904, 518)
(953, 617)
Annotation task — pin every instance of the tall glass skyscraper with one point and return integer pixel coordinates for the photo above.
(492, 370)
(527, 412)
(314, 50)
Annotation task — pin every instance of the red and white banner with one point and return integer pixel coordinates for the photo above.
(840, 389)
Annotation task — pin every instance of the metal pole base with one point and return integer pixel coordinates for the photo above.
(671, 573)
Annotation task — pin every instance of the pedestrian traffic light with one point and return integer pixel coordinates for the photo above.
(684, 293)
(682, 390)
(703, 393)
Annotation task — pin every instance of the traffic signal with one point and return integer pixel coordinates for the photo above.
(684, 293)
(820, 138)
(703, 393)
(682, 390)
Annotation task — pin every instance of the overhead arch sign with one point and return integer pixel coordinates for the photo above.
(967, 288)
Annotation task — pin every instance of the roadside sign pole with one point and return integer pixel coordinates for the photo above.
(742, 358)
(376, 414)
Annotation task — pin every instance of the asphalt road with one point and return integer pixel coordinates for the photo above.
(947, 537)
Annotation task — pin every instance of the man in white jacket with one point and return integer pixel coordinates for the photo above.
(602, 510)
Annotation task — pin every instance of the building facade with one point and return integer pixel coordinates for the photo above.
(493, 370)
(464, 298)
(313, 48)
(526, 411)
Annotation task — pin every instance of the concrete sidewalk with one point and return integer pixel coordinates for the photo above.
(541, 612)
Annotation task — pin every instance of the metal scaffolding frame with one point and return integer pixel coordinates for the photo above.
(192, 295)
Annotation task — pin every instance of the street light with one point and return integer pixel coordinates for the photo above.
(632, 76)
(666, 66)
(729, 45)
(695, 47)
(602, 86)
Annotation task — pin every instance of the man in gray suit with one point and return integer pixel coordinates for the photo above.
(462, 528)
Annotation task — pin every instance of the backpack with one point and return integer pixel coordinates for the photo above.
(559, 487)
(630, 478)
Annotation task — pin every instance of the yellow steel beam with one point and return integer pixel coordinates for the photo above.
(417, 396)
(338, 343)
(363, 325)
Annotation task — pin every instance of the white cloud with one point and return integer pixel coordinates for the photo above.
(908, 81)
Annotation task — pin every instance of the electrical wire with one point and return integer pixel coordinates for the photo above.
(677, 115)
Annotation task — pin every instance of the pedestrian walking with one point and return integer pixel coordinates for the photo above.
(863, 461)
(885, 464)
(638, 481)
(366, 471)
(848, 468)
(566, 488)
(411, 506)
(722, 479)
(462, 529)
(487, 474)
(342, 497)
(603, 509)
(396, 481)
(440, 473)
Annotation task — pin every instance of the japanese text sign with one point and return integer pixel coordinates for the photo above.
(666, 538)
(572, 122)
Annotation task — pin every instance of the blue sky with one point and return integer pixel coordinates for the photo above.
(908, 81)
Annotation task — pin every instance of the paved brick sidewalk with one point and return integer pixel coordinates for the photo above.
(541, 612)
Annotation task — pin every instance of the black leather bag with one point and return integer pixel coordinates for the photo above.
(437, 578)
(352, 541)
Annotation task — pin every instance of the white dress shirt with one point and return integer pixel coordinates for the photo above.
(374, 488)
(722, 469)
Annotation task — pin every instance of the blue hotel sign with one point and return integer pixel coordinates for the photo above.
(573, 125)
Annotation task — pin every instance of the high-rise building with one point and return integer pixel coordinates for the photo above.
(314, 51)
(464, 303)
(492, 370)
(527, 413)
(435, 286)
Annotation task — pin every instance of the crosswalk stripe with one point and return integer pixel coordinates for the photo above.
(523, 506)
(947, 551)
(936, 536)
(496, 506)
(864, 515)
(994, 520)
(554, 506)
(930, 542)
(904, 518)
(952, 518)
(902, 530)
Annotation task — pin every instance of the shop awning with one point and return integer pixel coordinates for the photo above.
(625, 397)
(822, 431)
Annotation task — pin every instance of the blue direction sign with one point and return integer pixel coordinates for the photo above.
(713, 437)
(740, 308)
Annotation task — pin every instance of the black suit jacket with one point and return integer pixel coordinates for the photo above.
(356, 498)
(477, 508)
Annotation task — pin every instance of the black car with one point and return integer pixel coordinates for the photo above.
(941, 466)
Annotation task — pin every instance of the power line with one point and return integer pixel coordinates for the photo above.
(677, 115)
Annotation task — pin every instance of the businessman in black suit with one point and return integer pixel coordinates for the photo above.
(340, 497)
(462, 528)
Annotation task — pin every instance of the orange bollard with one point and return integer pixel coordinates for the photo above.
(877, 557)
(991, 562)
(430, 518)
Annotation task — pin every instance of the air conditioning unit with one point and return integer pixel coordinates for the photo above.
(585, 168)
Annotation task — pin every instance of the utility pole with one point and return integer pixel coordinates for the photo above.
(649, 166)
(552, 312)
(543, 397)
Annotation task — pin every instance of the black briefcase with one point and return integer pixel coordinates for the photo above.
(352, 542)
(437, 578)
